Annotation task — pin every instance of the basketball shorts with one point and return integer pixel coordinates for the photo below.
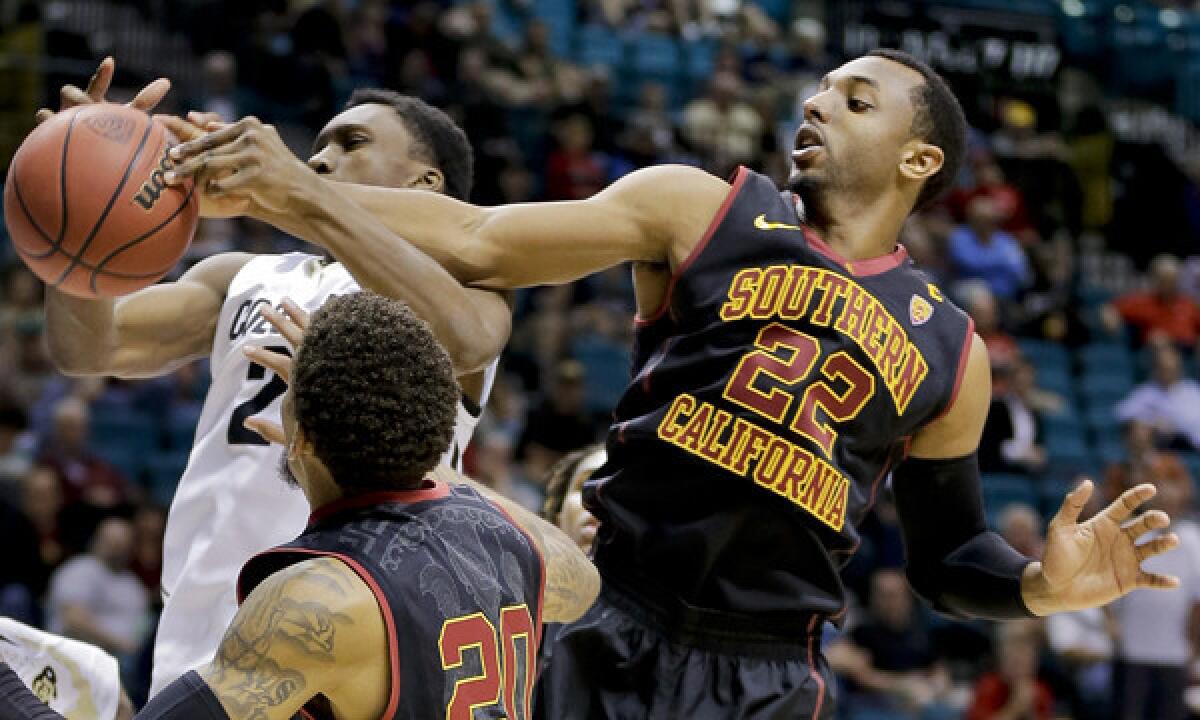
(619, 662)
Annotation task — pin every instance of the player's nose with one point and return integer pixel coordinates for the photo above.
(320, 164)
(813, 111)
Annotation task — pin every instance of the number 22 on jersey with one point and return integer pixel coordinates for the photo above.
(474, 635)
(789, 356)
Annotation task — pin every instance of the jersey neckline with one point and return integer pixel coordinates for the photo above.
(858, 268)
(432, 489)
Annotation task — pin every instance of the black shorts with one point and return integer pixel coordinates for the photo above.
(618, 662)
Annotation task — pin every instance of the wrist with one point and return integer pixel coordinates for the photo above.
(1036, 592)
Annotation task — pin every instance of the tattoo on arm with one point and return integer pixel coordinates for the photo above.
(286, 617)
(572, 582)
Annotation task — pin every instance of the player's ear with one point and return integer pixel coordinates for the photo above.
(920, 160)
(432, 180)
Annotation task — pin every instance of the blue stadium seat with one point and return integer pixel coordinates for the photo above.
(655, 56)
(181, 430)
(700, 58)
(128, 460)
(1067, 450)
(123, 428)
(1067, 423)
(163, 471)
(1093, 296)
(1003, 489)
(1057, 381)
(1103, 384)
(1106, 357)
(607, 372)
(1191, 461)
(597, 45)
(1044, 354)
(779, 10)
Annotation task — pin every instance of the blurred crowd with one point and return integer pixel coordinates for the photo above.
(1051, 242)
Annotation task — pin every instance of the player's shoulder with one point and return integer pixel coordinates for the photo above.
(326, 582)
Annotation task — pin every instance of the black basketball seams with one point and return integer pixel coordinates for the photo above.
(62, 181)
(99, 268)
(77, 258)
(54, 245)
(114, 273)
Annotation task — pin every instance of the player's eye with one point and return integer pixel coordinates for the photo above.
(354, 141)
(857, 105)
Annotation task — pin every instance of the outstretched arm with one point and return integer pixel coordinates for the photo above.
(962, 568)
(655, 215)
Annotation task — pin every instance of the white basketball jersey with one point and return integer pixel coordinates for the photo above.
(231, 502)
(75, 679)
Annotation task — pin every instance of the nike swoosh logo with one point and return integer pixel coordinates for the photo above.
(762, 223)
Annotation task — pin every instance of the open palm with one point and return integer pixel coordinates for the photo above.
(1095, 562)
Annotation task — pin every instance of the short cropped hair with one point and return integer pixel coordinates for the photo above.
(374, 393)
(439, 141)
(938, 120)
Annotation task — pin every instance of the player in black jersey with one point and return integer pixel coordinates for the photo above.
(788, 359)
(412, 593)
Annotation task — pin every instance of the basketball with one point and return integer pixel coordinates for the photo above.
(86, 204)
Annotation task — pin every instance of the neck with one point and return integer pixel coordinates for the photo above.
(860, 230)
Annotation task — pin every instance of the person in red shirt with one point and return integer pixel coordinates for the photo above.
(1013, 691)
(1160, 312)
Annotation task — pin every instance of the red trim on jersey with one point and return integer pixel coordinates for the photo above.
(739, 179)
(812, 668)
(857, 268)
(431, 490)
(389, 621)
(541, 563)
(962, 367)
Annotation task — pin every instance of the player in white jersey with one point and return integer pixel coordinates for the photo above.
(74, 679)
(228, 506)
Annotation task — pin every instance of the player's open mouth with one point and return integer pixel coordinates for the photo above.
(808, 144)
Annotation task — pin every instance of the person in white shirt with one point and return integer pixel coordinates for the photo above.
(1169, 401)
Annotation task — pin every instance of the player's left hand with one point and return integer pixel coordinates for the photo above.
(245, 159)
(291, 323)
(1095, 562)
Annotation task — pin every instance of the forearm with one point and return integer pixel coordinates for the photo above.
(954, 562)
(80, 333)
(397, 225)
(388, 264)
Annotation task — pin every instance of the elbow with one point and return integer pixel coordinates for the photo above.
(587, 590)
(73, 361)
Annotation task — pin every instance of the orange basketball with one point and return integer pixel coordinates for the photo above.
(86, 205)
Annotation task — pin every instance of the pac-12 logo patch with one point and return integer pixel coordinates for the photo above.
(919, 310)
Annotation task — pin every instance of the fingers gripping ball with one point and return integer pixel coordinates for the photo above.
(86, 204)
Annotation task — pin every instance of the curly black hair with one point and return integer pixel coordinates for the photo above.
(374, 393)
(439, 141)
(938, 120)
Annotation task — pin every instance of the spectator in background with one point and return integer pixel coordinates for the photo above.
(1013, 691)
(979, 302)
(576, 171)
(1021, 526)
(220, 94)
(1012, 432)
(1162, 312)
(149, 523)
(721, 128)
(1091, 151)
(1155, 642)
(1169, 401)
(559, 424)
(1009, 203)
(980, 249)
(84, 476)
(1048, 309)
(494, 466)
(16, 451)
(42, 505)
(564, 494)
(95, 598)
(892, 663)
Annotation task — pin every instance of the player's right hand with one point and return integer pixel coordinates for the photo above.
(146, 100)
(291, 323)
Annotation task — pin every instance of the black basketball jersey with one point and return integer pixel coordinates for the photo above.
(460, 586)
(771, 394)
